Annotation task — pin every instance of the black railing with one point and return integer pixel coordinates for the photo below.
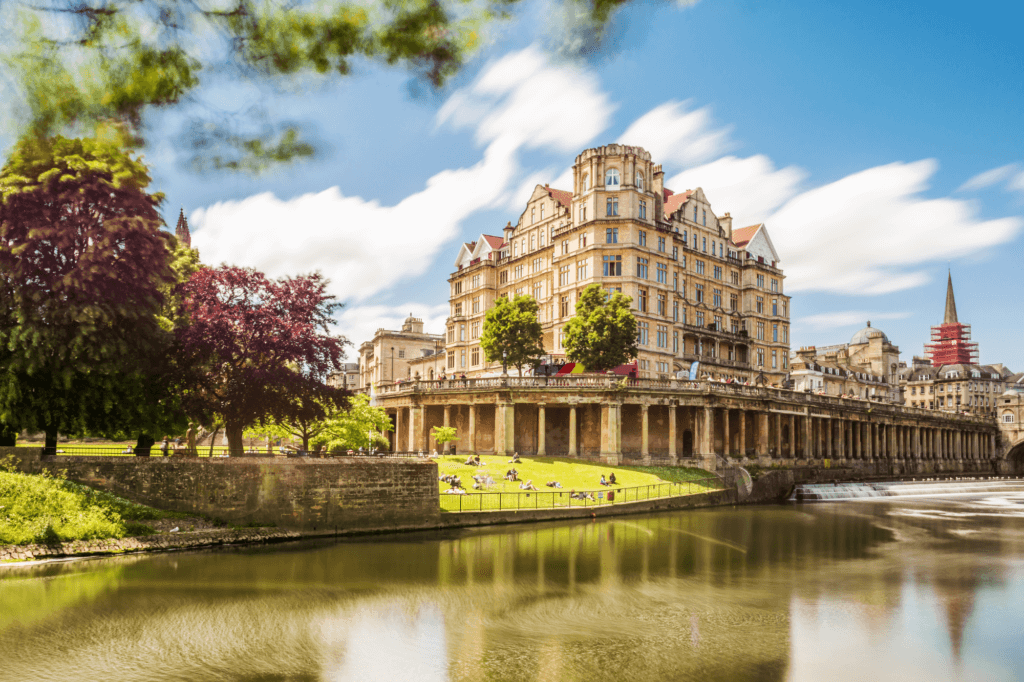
(205, 452)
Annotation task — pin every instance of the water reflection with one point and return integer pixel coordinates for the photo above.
(925, 589)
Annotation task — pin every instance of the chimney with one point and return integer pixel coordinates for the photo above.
(658, 187)
(726, 222)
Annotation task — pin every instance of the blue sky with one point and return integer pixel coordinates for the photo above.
(880, 142)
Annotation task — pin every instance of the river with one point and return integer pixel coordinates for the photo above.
(924, 589)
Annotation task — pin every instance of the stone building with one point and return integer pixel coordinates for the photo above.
(347, 378)
(181, 230)
(866, 367)
(1010, 415)
(702, 291)
(390, 355)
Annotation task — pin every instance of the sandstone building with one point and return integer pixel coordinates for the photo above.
(391, 355)
(702, 291)
(866, 367)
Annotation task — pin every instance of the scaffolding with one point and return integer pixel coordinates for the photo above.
(951, 345)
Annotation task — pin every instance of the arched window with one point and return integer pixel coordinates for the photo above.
(640, 181)
(611, 178)
(586, 182)
(1008, 418)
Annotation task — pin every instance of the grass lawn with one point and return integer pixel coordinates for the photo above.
(631, 483)
(41, 509)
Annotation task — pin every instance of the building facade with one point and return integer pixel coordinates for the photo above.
(701, 291)
(391, 355)
(866, 367)
(347, 378)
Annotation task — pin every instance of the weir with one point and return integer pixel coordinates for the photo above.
(834, 492)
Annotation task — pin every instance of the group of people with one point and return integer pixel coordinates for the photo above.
(473, 461)
(454, 484)
(608, 481)
(188, 448)
(512, 475)
(583, 495)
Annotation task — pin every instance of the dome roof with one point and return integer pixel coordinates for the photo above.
(862, 336)
(1013, 392)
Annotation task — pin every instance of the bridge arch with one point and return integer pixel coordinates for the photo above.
(1015, 458)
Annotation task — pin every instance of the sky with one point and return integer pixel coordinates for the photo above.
(879, 142)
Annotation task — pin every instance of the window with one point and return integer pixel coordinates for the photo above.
(476, 304)
(662, 337)
(642, 337)
(699, 292)
(700, 318)
(695, 220)
(565, 246)
(716, 298)
(581, 270)
(474, 330)
(642, 213)
(775, 333)
(684, 316)
(538, 264)
(705, 218)
(565, 306)
(538, 291)
(718, 272)
(457, 288)
(682, 262)
(476, 281)
(458, 309)
(401, 352)
(642, 236)
(612, 206)
(661, 244)
(641, 267)
(611, 178)
(760, 331)
(712, 247)
(583, 214)
(503, 277)
(704, 243)
(733, 301)
(734, 326)
(700, 266)
(662, 273)
(475, 357)
(541, 240)
(542, 211)
(718, 322)
(462, 332)
(451, 334)
(662, 307)
(760, 357)
(451, 359)
(586, 182)
(518, 271)
(515, 249)
(640, 181)
(613, 266)
(582, 241)
(675, 281)
(563, 275)
(533, 241)
(675, 253)
(611, 235)
(760, 281)
(784, 309)
(759, 305)
(675, 311)
(785, 334)
(1008, 418)
(775, 284)
(785, 361)
(462, 358)
(775, 306)
(735, 277)
(775, 359)
(641, 300)
(675, 342)
(694, 241)
(533, 215)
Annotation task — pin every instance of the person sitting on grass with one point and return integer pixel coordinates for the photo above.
(470, 461)
(527, 485)
(611, 479)
(455, 491)
(604, 481)
(515, 458)
(553, 484)
(512, 475)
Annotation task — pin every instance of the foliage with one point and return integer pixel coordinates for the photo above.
(257, 349)
(355, 427)
(443, 434)
(83, 276)
(602, 334)
(40, 509)
(513, 327)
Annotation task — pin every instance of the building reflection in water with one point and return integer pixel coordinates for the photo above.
(834, 592)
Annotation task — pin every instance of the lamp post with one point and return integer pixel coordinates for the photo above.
(437, 350)
(504, 363)
(392, 364)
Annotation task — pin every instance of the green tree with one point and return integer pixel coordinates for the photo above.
(602, 334)
(361, 425)
(85, 63)
(83, 273)
(512, 328)
(443, 434)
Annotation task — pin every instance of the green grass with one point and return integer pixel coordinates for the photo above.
(631, 483)
(42, 509)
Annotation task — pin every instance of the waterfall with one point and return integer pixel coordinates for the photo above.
(828, 492)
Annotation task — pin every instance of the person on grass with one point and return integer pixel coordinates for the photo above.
(611, 479)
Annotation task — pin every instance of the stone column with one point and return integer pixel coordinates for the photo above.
(792, 437)
(411, 441)
(499, 429)
(829, 437)
(726, 440)
(447, 422)
(645, 436)
(839, 437)
(672, 434)
(611, 435)
(761, 448)
(572, 431)
(419, 435)
(778, 436)
(743, 433)
(541, 448)
(857, 452)
(808, 437)
(472, 428)
(707, 439)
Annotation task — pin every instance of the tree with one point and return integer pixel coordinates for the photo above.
(602, 334)
(83, 270)
(256, 349)
(360, 426)
(83, 63)
(306, 420)
(443, 434)
(512, 328)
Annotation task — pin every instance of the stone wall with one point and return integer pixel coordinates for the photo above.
(295, 493)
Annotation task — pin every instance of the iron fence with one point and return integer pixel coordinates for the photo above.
(206, 451)
(544, 499)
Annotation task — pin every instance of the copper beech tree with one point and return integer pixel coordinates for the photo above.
(256, 349)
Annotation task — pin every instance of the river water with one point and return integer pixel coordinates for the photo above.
(925, 589)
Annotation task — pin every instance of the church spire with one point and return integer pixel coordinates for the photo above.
(182, 233)
(950, 316)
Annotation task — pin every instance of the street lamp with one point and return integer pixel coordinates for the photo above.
(504, 363)
(392, 364)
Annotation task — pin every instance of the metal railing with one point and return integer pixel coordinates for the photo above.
(553, 499)
(217, 451)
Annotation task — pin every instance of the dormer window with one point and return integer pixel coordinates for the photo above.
(640, 181)
(611, 178)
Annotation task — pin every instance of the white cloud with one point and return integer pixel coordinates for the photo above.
(360, 323)
(1016, 183)
(519, 101)
(865, 233)
(677, 137)
(749, 189)
(846, 318)
(988, 178)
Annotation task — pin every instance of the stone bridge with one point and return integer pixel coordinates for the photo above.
(692, 423)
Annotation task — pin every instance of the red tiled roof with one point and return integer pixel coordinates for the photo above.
(674, 201)
(561, 196)
(743, 235)
(495, 242)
